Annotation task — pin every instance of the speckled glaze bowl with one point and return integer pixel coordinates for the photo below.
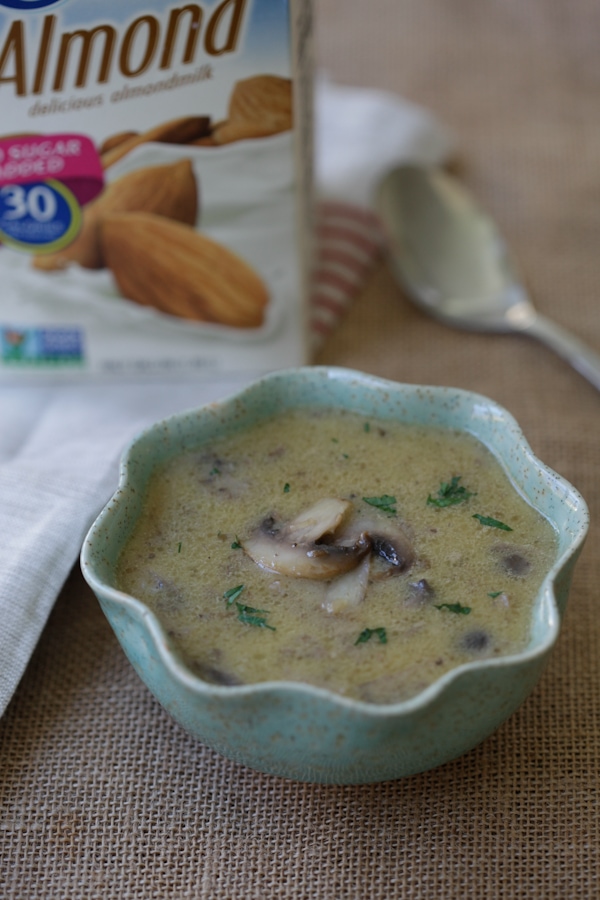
(302, 732)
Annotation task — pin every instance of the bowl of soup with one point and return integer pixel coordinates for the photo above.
(336, 578)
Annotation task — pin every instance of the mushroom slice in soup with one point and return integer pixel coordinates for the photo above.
(304, 560)
(513, 560)
(477, 642)
(348, 591)
(323, 518)
(391, 548)
(419, 593)
(395, 552)
(320, 543)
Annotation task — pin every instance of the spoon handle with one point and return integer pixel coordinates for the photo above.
(585, 360)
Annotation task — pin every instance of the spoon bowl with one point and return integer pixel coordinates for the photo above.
(452, 261)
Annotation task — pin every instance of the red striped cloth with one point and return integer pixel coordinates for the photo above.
(348, 241)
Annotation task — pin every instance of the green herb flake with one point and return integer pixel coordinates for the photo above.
(251, 616)
(450, 493)
(233, 593)
(494, 594)
(386, 503)
(455, 608)
(334, 441)
(368, 633)
(179, 547)
(235, 545)
(286, 488)
(214, 471)
(367, 427)
(492, 523)
(345, 455)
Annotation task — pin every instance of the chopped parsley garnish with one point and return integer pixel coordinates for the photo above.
(455, 608)
(235, 545)
(247, 614)
(250, 616)
(386, 503)
(345, 455)
(286, 488)
(494, 594)
(215, 471)
(334, 441)
(179, 547)
(233, 593)
(492, 523)
(450, 493)
(368, 633)
(367, 427)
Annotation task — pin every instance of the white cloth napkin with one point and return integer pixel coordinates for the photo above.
(59, 447)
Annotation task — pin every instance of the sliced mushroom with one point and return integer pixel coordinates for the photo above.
(316, 561)
(419, 593)
(395, 551)
(391, 547)
(323, 518)
(349, 590)
(516, 564)
(321, 544)
(477, 641)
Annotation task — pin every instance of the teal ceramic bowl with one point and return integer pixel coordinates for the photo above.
(302, 732)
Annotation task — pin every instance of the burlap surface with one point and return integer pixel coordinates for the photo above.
(103, 796)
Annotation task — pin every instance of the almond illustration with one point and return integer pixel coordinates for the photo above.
(168, 190)
(175, 131)
(239, 130)
(258, 106)
(114, 140)
(160, 263)
(207, 141)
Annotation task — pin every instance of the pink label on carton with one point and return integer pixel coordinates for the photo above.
(68, 158)
(44, 182)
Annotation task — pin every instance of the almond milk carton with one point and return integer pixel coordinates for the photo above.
(154, 185)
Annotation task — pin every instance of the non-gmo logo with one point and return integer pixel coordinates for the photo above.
(29, 4)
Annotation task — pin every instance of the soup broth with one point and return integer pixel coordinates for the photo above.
(367, 557)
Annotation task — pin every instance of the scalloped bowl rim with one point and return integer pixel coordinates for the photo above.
(546, 598)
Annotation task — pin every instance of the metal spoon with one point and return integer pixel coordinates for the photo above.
(453, 263)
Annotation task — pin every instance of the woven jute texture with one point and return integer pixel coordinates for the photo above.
(103, 796)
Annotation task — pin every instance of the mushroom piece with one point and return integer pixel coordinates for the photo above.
(304, 560)
(320, 544)
(325, 517)
(395, 551)
(392, 550)
(419, 593)
(348, 590)
(477, 641)
(513, 560)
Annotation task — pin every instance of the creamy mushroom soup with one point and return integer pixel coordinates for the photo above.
(363, 556)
